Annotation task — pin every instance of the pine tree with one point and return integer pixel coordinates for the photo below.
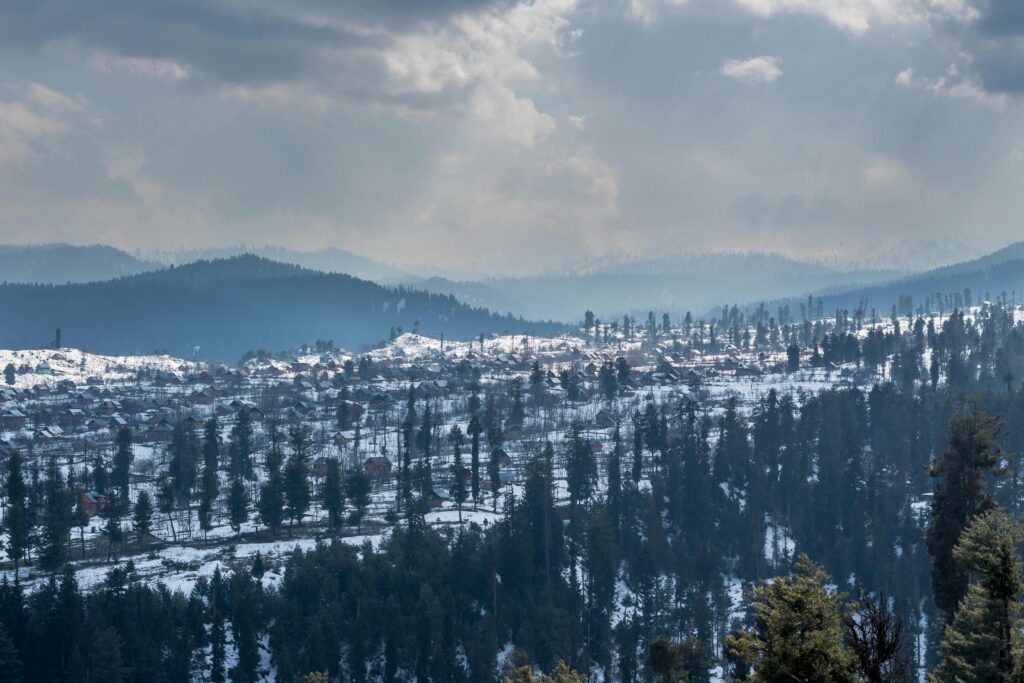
(9, 374)
(494, 473)
(959, 496)
(218, 636)
(16, 522)
(241, 445)
(798, 635)
(57, 521)
(142, 516)
(357, 488)
(475, 429)
(10, 665)
(210, 483)
(614, 494)
(123, 457)
(982, 643)
(296, 476)
(244, 598)
(271, 503)
(458, 488)
(238, 504)
(113, 511)
(107, 662)
(333, 494)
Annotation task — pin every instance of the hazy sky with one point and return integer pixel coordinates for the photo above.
(515, 135)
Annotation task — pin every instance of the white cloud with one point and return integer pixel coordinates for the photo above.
(755, 71)
(954, 85)
(481, 59)
(37, 115)
(157, 69)
(854, 16)
(577, 122)
(857, 16)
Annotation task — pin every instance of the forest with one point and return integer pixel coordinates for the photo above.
(885, 513)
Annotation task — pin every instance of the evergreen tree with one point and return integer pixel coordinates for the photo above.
(11, 667)
(458, 488)
(113, 512)
(357, 488)
(982, 643)
(17, 523)
(241, 445)
(333, 494)
(296, 476)
(238, 504)
(123, 457)
(271, 503)
(210, 483)
(798, 633)
(9, 376)
(142, 516)
(475, 429)
(58, 518)
(960, 473)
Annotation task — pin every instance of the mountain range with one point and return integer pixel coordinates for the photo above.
(219, 309)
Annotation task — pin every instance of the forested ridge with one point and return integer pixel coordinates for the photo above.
(221, 309)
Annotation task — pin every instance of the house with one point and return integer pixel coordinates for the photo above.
(377, 467)
(438, 497)
(91, 502)
(13, 419)
(603, 420)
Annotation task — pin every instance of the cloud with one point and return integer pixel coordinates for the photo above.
(858, 16)
(754, 71)
(954, 84)
(159, 69)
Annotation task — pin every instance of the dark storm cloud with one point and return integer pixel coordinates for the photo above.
(234, 41)
(995, 43)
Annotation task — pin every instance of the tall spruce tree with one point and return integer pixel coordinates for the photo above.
(960, 495)
(982, 643)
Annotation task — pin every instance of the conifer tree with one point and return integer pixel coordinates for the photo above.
(798, 633)
(57, 520)
(241, 445)
(458, 488)
(238, 504)
(271, 503)
(123, 456)
(16, 522)
(960, 474)
(296, 476)
(983, 642)
(333, 494)
(142, 516)
(475, 429)
(9, 376)
(357, 488)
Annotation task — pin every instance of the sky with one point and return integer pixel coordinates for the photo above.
(511, 137)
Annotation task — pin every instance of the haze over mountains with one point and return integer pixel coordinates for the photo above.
(123, 303)
(218, 310)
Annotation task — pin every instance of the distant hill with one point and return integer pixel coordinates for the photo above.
(330, 260)
(217, 310)
(673, 284)
(60, 263)
(988, 276)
